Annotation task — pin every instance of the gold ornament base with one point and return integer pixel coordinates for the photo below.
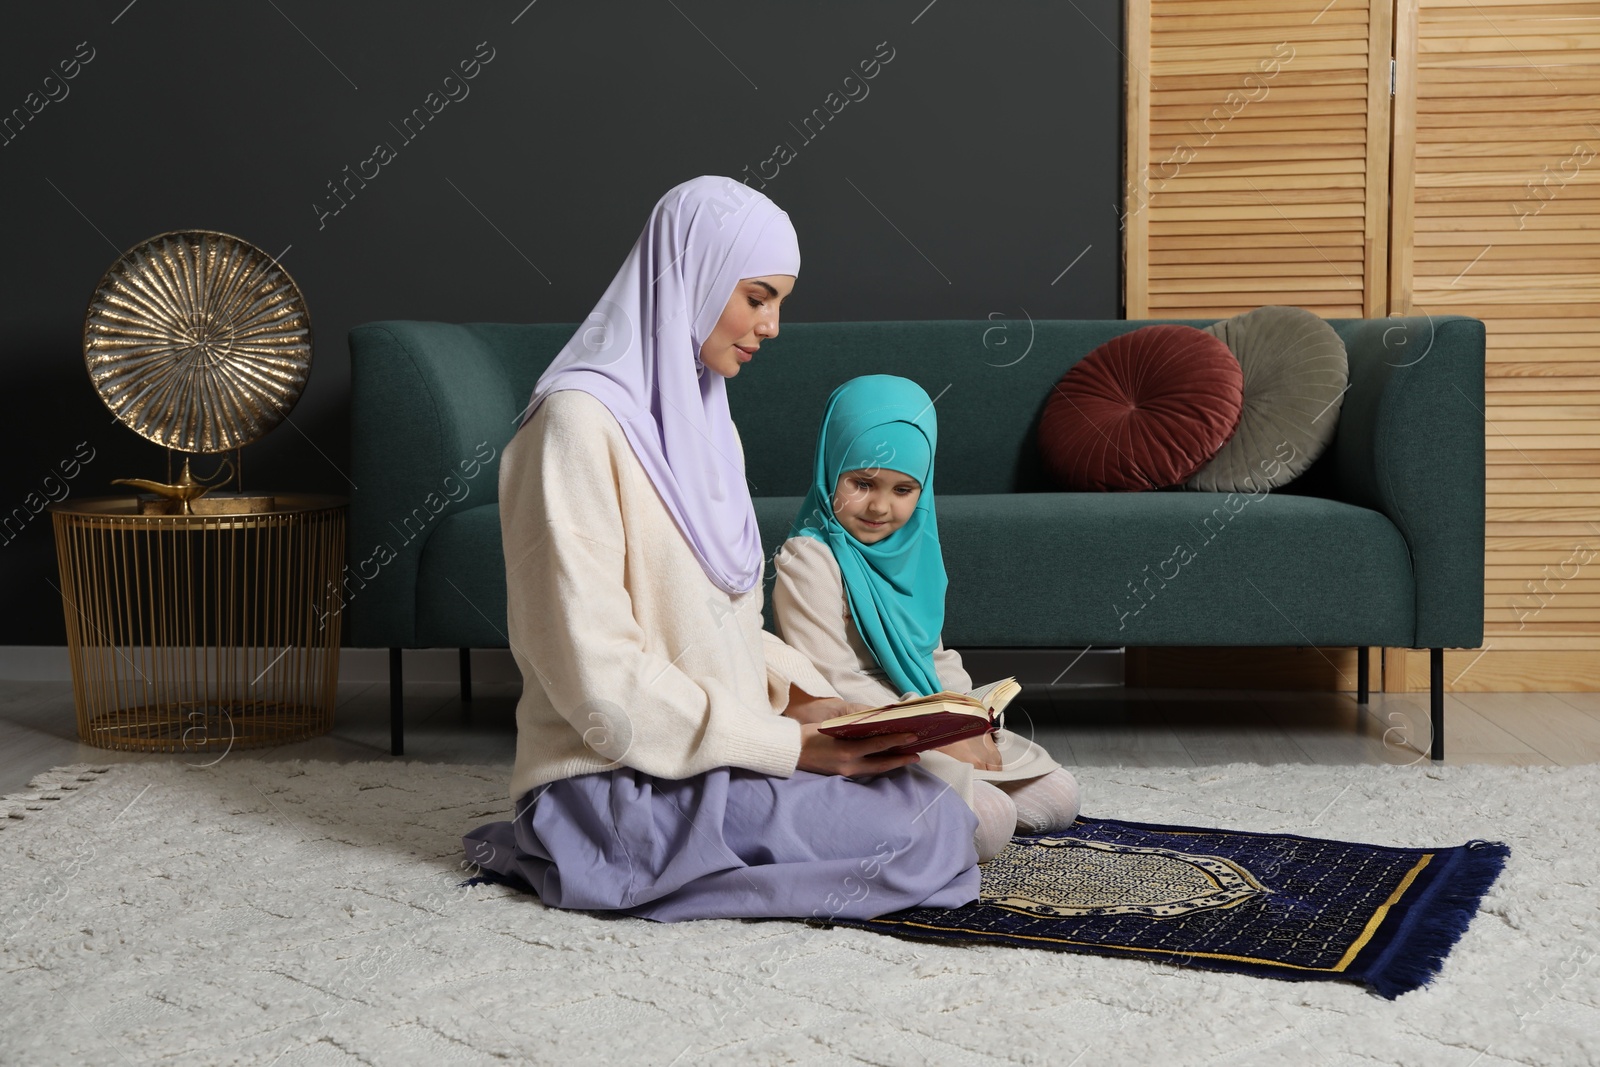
(210, 504)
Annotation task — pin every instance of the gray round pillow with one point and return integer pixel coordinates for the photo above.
(1295, 375)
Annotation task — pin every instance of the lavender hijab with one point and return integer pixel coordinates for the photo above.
(638, 353)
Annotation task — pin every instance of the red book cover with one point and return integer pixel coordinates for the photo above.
(934, 730)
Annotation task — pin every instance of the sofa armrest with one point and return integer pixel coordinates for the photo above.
(1410, 444)
(431, 408)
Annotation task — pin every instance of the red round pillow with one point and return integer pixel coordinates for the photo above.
(1145, 410)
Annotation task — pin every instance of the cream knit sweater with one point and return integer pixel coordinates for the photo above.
(630, 656)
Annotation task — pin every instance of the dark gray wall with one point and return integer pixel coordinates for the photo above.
(981, 160)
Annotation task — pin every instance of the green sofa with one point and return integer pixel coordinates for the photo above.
(1381, 542)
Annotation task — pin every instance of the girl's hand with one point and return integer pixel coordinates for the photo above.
(980, 751)
(824, 754)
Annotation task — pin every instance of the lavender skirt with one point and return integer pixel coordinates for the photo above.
(733, 843)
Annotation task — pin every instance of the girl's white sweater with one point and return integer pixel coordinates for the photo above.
(813, 617)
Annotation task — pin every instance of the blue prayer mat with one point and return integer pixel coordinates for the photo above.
(1273, 905)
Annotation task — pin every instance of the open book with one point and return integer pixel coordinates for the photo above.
(938, 719)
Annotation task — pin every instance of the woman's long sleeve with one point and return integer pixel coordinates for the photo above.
(786, 666)
(669, 704)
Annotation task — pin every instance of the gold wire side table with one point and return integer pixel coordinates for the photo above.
(202, 632)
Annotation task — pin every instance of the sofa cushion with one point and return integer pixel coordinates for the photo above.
(1143, 411)
(1162, 569)
(1295, 375)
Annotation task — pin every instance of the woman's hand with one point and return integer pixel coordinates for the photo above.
(980, 751)
(825, 754)
(805, 708)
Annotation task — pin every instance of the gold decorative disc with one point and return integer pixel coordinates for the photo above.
(198, 341)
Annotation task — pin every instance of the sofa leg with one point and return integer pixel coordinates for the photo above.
(1436, 699)
(1361, 674)
(466, 676)
(396, 705)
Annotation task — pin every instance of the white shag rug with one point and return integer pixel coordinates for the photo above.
(307, 912)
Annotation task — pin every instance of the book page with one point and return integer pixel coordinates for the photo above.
(994, 692)
(937, 704)
(982, 691)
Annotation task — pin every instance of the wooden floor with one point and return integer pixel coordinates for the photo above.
(1080, 727)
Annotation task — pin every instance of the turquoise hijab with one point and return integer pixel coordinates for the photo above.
(895, 587)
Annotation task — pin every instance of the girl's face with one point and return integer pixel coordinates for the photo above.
(874, 502)
(750, 318)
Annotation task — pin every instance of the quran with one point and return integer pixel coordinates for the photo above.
(938, 719)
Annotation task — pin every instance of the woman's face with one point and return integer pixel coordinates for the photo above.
(750, 318)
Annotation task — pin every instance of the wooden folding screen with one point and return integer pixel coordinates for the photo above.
(1258, 156)
(1265, 166)
(1497, 215)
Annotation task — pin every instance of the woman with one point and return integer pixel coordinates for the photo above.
(668, 763)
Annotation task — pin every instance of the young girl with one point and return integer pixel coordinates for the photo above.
(662, 767)
(860, 591)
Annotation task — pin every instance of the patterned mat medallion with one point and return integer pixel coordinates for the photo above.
(1275, 905)
(1070, 876)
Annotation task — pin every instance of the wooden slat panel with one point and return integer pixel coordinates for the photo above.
(1222, 305)
(1258, 126)
(1246, 191)
(1247, 232)
(1497, 442)
(1515, 529)
(1341, 128)
(1136, 159)
(1511, 664)
(1567, 558)
(1251, 8)
(1181, 19)
(1325, 37)
(1402, 236)
(1551, 411)
(1231, 667)
(1504, 503)
(1166, 22)
(1539, 378)
(1573, 57)
(1217, 261)
(1199, 251)
(1283, 196)
(1543, 514)
(1519, 242)
(1561, 427)
(1503, 222)
(1508, 587)
(1537, 629)
(1555, 472)
(1526, 543)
